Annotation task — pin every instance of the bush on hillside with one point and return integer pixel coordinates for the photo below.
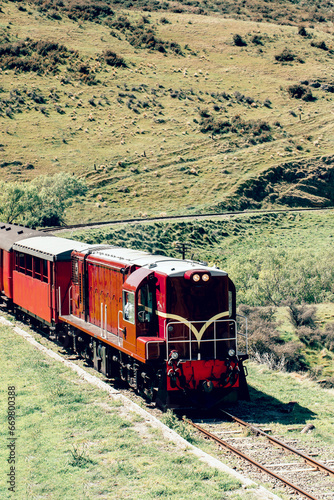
(88, 11)
(265, 341)
(302, 31)
(112, 59)
(297, 91)
(28, 55)
(257, 40)
(301, 315)
(239, 41)
(319, 45)
(287, 56)
(257, 131)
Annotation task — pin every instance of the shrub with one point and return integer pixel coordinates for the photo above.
(257, 40)
(310, 336)
(239, 41)
(302, 31)
(302, 315)
(265, 342)
(112, 59)
(28, 55)
(319, 45)
(298, 91)
(285, 56)
(88, 11)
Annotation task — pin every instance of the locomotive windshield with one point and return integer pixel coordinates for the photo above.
(197, 301)
(199, 315)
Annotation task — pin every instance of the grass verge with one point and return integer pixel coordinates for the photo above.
(73, 443)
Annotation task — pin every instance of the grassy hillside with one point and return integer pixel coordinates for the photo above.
(168, 110)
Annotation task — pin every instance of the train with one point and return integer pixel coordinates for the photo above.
(167, 327)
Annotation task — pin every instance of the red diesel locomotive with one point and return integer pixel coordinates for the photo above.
(166, 326)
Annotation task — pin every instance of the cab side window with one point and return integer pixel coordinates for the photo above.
(129, 307)
(145, 304)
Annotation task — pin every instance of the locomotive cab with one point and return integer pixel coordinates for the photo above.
(139, 319)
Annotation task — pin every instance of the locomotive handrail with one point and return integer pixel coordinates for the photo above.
(118, 324)
(190, 341)
(69, 299)
(245, 335)
(59, 301)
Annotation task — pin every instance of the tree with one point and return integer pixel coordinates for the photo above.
(41, 202)
(16, 200)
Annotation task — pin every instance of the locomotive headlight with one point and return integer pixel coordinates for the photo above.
(205, 277)
(231, 353)
(174, 355)
(196, 278)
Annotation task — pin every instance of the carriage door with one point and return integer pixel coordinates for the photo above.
(77, 292)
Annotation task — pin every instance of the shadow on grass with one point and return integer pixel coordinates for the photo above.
(263, 408)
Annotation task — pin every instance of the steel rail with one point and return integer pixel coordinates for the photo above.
(176, 217)
(250, 460)
(309, 460)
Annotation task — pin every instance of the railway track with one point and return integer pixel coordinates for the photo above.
(300, 473)
(177, 217)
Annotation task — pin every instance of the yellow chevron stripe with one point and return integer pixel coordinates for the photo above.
(198, 334)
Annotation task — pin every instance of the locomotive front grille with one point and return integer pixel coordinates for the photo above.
(202, 339)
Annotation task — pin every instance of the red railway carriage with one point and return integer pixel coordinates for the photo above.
(10, 234)
(42, 276)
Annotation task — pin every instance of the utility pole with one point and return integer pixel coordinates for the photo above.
(183, 248)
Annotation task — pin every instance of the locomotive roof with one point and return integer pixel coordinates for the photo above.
(11, 233)
(50, 247)
(158, 263)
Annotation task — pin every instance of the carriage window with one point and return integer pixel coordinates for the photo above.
(129, 306)
(29, 265)
(22, 267)
(37, 268)
(45, 271)
(20, 263)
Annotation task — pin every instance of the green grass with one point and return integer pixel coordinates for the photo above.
(274, 389)
(140, 125)
(73, 443)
